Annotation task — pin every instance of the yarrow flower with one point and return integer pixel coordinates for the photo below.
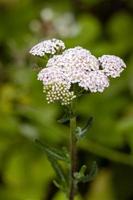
(112, 65)
(53, 75)
(95, 81)
(47, 47)
(77, 66)
(59, 92)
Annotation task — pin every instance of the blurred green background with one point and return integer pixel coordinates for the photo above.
(104, 27)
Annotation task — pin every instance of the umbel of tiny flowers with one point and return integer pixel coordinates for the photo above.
(47, 47)
(68, 74)
(74, 66)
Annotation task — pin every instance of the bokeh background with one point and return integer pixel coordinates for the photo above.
(102, 26)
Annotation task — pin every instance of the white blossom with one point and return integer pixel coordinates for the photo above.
(59, 92)
(47, 47)
(112, 65)
(79, 57)
(77, 66)
(53, 75)
(76, 58)
(70, 67)
(95, 81)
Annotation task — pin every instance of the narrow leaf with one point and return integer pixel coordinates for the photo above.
(63, 120)
(59, 172)
(87, 126)
(81, 132)
(83, 169)
(53, 156)
(57, 184)
(92, 174)
(93, 171)
(53, 152)
(81, 177)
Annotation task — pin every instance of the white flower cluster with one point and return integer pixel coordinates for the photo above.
(47, 47)
(59, 92)
(77, 66)
(112, 65)
(95, 81)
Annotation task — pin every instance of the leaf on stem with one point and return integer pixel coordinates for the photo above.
(57, 184)
(54, 153)
(81, 132)
(54, 156)
(81, 177)
(93, 171)
(64, 119)
(62, 182)
(58, 169)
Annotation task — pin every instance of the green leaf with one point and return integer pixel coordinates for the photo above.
(81, 177)
(57, 184)
(53, 152)
(58, 169)
(83, 169)
(93, 171)
(62, 183)
(53, 156)
(64, 119)
(81, 132)
(88, 125)
(66, 154)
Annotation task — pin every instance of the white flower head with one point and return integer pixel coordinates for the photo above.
(52, 47)
(53, 75)
(76, 58)
(112, 65)
(79, 57)
(75, 66)
(79, 51)
(59, 92)
(95, 81)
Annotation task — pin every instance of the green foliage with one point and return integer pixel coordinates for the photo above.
(81, 132)
(81, 177)
(54, 155)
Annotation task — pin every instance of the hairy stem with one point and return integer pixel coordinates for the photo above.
(73, 157)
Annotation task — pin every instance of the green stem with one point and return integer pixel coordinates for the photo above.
(73, 157)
